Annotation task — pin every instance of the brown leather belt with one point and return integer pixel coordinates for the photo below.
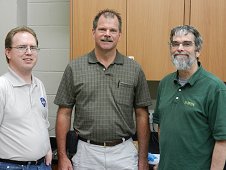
(38, 162)
(106, 143)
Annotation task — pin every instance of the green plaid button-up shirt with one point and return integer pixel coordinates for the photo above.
(104, 99)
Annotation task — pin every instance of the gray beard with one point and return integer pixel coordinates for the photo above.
(184, 64)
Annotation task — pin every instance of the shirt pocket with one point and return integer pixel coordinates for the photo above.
(125, 93)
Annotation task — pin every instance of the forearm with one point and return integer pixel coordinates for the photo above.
(143, 133)
(158, 132)
(62, 127)
(219, 155)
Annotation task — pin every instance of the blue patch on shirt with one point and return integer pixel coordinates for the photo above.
(43, 101)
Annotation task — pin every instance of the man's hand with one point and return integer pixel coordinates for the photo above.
(48, 157)
(64, 164)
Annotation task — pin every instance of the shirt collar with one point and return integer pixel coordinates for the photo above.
(118, 59)
(16, 80)
(196, 76)
(193, 78)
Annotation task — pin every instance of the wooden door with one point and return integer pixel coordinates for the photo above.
(209, 17)
(148, 26)
(82, 15)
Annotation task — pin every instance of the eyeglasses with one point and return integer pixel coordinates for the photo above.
(24, 48)
(185, 44)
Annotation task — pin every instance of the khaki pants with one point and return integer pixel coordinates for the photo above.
(123, 156)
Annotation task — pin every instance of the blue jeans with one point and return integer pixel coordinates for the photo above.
(11, 166)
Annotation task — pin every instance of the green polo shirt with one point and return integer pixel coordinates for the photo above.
(104, 99)
(191, 118)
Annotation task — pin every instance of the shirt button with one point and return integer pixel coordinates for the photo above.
(104, 69)
(179, 90)
(177, 98)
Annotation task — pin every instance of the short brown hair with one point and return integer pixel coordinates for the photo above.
(108, 13)
(12, 32)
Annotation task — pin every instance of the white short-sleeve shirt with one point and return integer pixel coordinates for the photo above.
(23, 118)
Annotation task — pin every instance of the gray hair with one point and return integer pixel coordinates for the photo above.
(185, 29)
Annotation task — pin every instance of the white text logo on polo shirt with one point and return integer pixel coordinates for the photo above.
(189, 103)
(43, 101)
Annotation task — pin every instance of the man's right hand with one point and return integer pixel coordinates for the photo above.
(155, 167)
(64, 164)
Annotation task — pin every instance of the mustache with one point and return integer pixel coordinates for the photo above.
(180, 54)
(106, 39)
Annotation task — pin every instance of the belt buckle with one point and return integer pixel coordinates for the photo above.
(29, 163)
(107, 143)
(32, 163)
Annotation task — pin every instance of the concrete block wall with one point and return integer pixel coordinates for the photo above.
(8, 20)
(50, 19)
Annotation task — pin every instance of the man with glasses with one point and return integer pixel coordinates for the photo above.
(190, 109)
(24, 138)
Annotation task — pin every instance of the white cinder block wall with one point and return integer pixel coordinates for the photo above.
(8, 20)
(50, 20)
